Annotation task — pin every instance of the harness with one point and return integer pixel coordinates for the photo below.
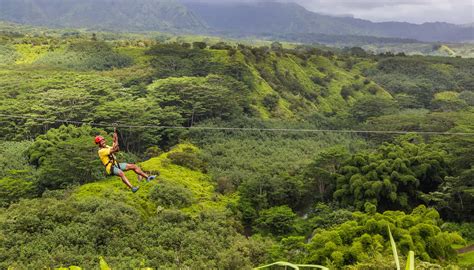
(112, 161)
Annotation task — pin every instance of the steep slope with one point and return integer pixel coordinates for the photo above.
(272, 17)
(163, 15)
(197, 184)
(230, 18)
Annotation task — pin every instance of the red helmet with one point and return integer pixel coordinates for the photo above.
(98, 139)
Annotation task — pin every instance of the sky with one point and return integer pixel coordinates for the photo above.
(414, 11)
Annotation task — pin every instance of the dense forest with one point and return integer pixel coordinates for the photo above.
(229, 18)
(263, 154)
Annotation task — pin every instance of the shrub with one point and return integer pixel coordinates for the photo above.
(188, 158)
(270, 101)
(199, 45)
(171, 195)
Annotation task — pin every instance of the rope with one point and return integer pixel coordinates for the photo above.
(346, 131)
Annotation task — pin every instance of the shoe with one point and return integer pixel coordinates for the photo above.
(151, 177)
(135, 189)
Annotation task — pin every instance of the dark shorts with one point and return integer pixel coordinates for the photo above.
(117, 169)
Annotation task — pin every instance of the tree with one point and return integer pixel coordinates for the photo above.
(363, 240)
(276, 46)
(372, 106)
(197, 99)
(395, 176)
(199, 45)
(66, 156)
(320, 175)
(276, 221)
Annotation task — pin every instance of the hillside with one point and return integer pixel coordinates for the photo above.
(156, 15)
(289, 20)
(292, 19)
(277, 152)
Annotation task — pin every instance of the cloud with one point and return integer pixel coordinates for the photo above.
(414, 11)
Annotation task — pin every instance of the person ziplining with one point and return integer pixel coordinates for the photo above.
(112, 167)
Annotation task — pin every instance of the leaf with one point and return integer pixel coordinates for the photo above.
(410, 261)
(103, 264)
(394, 249)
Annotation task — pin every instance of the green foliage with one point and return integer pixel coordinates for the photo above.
(104, 218)
(456, 196)
(86, 55)
(465, 229)
(466, 260)
(47, 232)
(365, 238)
(13, 189)
(325, 216)
(13, 158)
(395, 176)
(394, 249)
(138, 112)
(271, 101)
(468, 97)
(277, 220)
(49, 95)
(363, 109)
(257, 181)
(188, 158)
(197, 99)
(103, 264)
(294, 266)
(448, 101)
(199, 45)
(174, 60)
(66, 156)
(422, 77)
(319, 174)
(8, 54)
(171, 195)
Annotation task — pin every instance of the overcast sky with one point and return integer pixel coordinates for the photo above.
(414, 11)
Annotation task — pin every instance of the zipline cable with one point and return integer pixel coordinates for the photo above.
(396, 132)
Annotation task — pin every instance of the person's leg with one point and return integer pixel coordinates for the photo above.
(136, 169)
(118, 172)
(124, 179)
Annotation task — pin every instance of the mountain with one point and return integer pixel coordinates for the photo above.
(158, 15)
(234, 19)
(286, 18)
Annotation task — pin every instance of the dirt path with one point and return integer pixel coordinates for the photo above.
(465, 249)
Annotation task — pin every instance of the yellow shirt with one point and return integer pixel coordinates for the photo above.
(104, 155)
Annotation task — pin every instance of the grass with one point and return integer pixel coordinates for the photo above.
(137, 53)
(195, 181)
(466, 259)
(30, 53)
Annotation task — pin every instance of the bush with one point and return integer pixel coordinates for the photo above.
(87, 55)
(270, 101)
(465, 229)
(277, 220)
(188, 158)
(66, 156)
(221, 46)
(372, 106)
(346, 91)
(171, 195)
(199, 45)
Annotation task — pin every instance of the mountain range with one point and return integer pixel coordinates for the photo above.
(254, 19)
